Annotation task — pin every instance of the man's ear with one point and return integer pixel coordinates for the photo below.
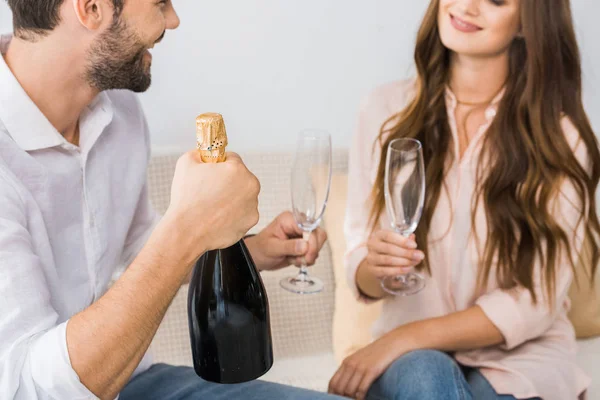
(92, 14)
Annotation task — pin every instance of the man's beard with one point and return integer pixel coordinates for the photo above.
(117, 61)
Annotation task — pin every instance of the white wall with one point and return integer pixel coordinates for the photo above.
(274, 67)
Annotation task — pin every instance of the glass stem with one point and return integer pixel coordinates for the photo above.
(303, 274)
(405, 275)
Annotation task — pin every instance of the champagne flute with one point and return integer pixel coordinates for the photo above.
(404, 190)
(310, 183)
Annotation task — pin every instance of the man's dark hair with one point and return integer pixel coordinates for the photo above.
(32, 18)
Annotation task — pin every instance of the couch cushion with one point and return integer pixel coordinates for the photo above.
(308, 372)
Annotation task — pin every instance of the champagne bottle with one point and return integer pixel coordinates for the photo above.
(228, 309)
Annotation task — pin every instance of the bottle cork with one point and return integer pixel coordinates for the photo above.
(211, 137)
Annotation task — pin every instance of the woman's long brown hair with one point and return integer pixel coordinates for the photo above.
(526, 153)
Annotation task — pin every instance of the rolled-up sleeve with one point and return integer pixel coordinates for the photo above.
(34, 360)
(513, 311)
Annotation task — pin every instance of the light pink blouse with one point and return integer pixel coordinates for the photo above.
(538, 357)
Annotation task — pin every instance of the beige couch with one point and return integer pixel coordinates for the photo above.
(302, 325)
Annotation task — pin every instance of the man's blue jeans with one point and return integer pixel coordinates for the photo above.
(166, 382)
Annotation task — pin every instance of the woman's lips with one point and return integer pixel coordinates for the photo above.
(463, 25)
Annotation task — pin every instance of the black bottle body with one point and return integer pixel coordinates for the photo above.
(228, 315)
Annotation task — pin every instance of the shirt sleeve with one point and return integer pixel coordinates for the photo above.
(34, 360)
(145, 218)
(513, 311)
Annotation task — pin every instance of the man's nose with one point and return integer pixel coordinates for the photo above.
(172, 18)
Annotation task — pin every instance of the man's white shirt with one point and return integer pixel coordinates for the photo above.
(69, 218)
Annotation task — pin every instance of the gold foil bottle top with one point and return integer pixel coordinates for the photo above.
(211, 137)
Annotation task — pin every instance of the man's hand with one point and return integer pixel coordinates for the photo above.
(280, 244)
(213, 204)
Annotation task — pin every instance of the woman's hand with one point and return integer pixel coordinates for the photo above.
(391, 254)
(358, 372)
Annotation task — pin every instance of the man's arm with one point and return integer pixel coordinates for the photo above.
(107, 341)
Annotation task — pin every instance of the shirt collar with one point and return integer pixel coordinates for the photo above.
(29, 127)
(94, 119)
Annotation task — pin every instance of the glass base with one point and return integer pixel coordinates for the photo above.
(403, 285)
(302, 284)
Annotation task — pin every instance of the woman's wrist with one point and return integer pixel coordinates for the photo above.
(367, 284)
(405, 339)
